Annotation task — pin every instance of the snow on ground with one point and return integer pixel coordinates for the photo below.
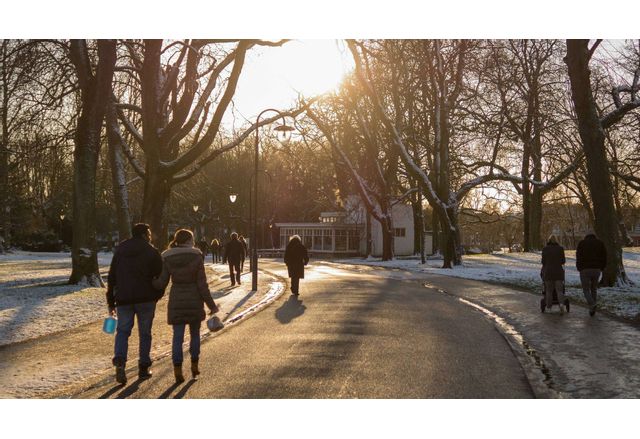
(522, 270)
(34, 299)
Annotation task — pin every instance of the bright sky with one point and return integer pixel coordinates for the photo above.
(273, 76)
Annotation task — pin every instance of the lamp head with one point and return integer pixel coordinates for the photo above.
(283, 133)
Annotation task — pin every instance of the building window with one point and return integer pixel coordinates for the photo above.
(327, 242)
(400, 232)
(341, 240)
(354, 240)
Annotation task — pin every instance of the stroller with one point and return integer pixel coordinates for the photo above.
(543, 304)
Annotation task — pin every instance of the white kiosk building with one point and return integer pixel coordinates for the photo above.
(344, 232)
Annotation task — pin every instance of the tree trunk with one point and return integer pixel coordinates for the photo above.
(593, 137)
(535, 218)
(388, 234)
(118, 176)
(156, 194)
(435, 232)
(5, 206)
(420, 221)
(95, 91)
(369, 249)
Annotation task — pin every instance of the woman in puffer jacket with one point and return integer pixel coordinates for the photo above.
(183, 265)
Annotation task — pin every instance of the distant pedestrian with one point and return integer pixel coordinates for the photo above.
(246, 252)
(189, 292)
(234, 254)
(203, 247)
(1, 244)
(130, 294)
(591, 260)
(215, 251)
(296, 257)
(552, 272)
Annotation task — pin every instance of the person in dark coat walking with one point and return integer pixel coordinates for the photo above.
(296, 257)
(234, 254)
(591, 260)
(130, 293)
(203, 247)
(184, 266)
(246, 252)
(215, 251)
(552, 272)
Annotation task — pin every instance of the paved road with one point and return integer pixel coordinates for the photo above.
(349, 335)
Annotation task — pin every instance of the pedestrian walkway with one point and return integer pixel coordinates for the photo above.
(61, 364)
(582, 356)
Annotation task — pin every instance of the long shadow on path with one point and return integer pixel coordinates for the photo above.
(291, 309)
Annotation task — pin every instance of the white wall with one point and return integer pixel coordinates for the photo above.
(402, 218)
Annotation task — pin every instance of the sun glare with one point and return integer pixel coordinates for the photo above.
(273, 77)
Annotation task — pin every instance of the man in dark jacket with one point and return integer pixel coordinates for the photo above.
(130, 293)
(552, 272)
(591, 259)
(204, 248)
(234, 254)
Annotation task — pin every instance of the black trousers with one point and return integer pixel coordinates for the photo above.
(295, 285)
(234, 277)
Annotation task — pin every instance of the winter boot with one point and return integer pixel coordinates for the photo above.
(144, 372)
(177, 371)
(121, 375)
(194, 369)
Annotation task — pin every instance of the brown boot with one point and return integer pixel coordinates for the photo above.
(194, 369)
(177, 371)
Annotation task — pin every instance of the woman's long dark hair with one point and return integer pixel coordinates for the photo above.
(182, 236)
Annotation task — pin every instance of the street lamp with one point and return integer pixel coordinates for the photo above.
(233, 198)
(283, 134)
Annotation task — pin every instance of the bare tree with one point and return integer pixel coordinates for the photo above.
(95, 92)
(178, 84)
(592, 126)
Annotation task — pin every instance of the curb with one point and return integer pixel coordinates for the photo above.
(536, 372)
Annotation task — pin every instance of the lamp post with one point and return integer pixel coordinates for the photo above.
(61, 220)
(284, 134)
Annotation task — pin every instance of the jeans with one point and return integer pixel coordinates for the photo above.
(549, 285)
(145, 312)
(178, 339)
(589, 278)
(234, 277)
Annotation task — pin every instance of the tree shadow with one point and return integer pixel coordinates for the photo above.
(291, 309)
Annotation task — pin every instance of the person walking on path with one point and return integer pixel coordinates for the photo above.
(552, 272)
(246, 252)
(296, 257)
(184, 266)
(130, 293)
(591, 260)
(203, 247)
(215, 251)
(234, 254)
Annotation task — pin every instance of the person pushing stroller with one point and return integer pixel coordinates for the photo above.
(552, 273)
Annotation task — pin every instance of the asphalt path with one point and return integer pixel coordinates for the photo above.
(349, 334)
